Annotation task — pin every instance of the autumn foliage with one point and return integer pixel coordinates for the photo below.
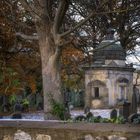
(19, 59)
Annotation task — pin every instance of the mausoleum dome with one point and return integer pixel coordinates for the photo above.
(109, 50)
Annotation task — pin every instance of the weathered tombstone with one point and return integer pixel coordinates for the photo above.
(67, 98)
(71, 107)
(124, 109)
(17, 107)
(6, 108)
(87, 110)
(40, 106)
(113, 114)
(17, 111)
(39, 101)
(134, 102)
(5, 105)
(89, 115)
(81, 98)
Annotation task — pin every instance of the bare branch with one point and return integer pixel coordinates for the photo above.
(62, 8)
(31, 8)
(91, 15)
(27, 37)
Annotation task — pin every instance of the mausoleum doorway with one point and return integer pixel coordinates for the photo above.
(99, 94)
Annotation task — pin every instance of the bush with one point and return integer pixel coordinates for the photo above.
(58, 110)
(25, 104)
(12, 99)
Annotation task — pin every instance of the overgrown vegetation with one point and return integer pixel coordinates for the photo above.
(58, 109)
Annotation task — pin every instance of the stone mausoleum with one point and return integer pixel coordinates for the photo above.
(108, 80)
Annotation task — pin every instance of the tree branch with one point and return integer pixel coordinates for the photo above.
(27, 37)
(62, 8)
(31, 8)
(91, 15)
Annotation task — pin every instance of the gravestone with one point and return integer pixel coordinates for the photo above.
(17, 107)
(89, 115)
(113, 114)
(17, 111)
(6, 108)
(67, 98)
(124, 110)
(87, 110)
(40, 106)
(39, 101)
(134, 101)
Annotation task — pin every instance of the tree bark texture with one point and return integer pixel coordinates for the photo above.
(50, 58)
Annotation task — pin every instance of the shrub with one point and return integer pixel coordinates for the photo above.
(58, 110)
(25, 104)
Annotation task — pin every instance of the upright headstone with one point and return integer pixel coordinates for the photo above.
(113, 114)
(124, 110)
(17, 107)
(134, 101)
(67, 99)
(17, 111)
(87, 110)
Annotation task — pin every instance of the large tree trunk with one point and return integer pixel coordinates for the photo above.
(50, 58)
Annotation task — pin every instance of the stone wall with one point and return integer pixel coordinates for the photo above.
(46, 130)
